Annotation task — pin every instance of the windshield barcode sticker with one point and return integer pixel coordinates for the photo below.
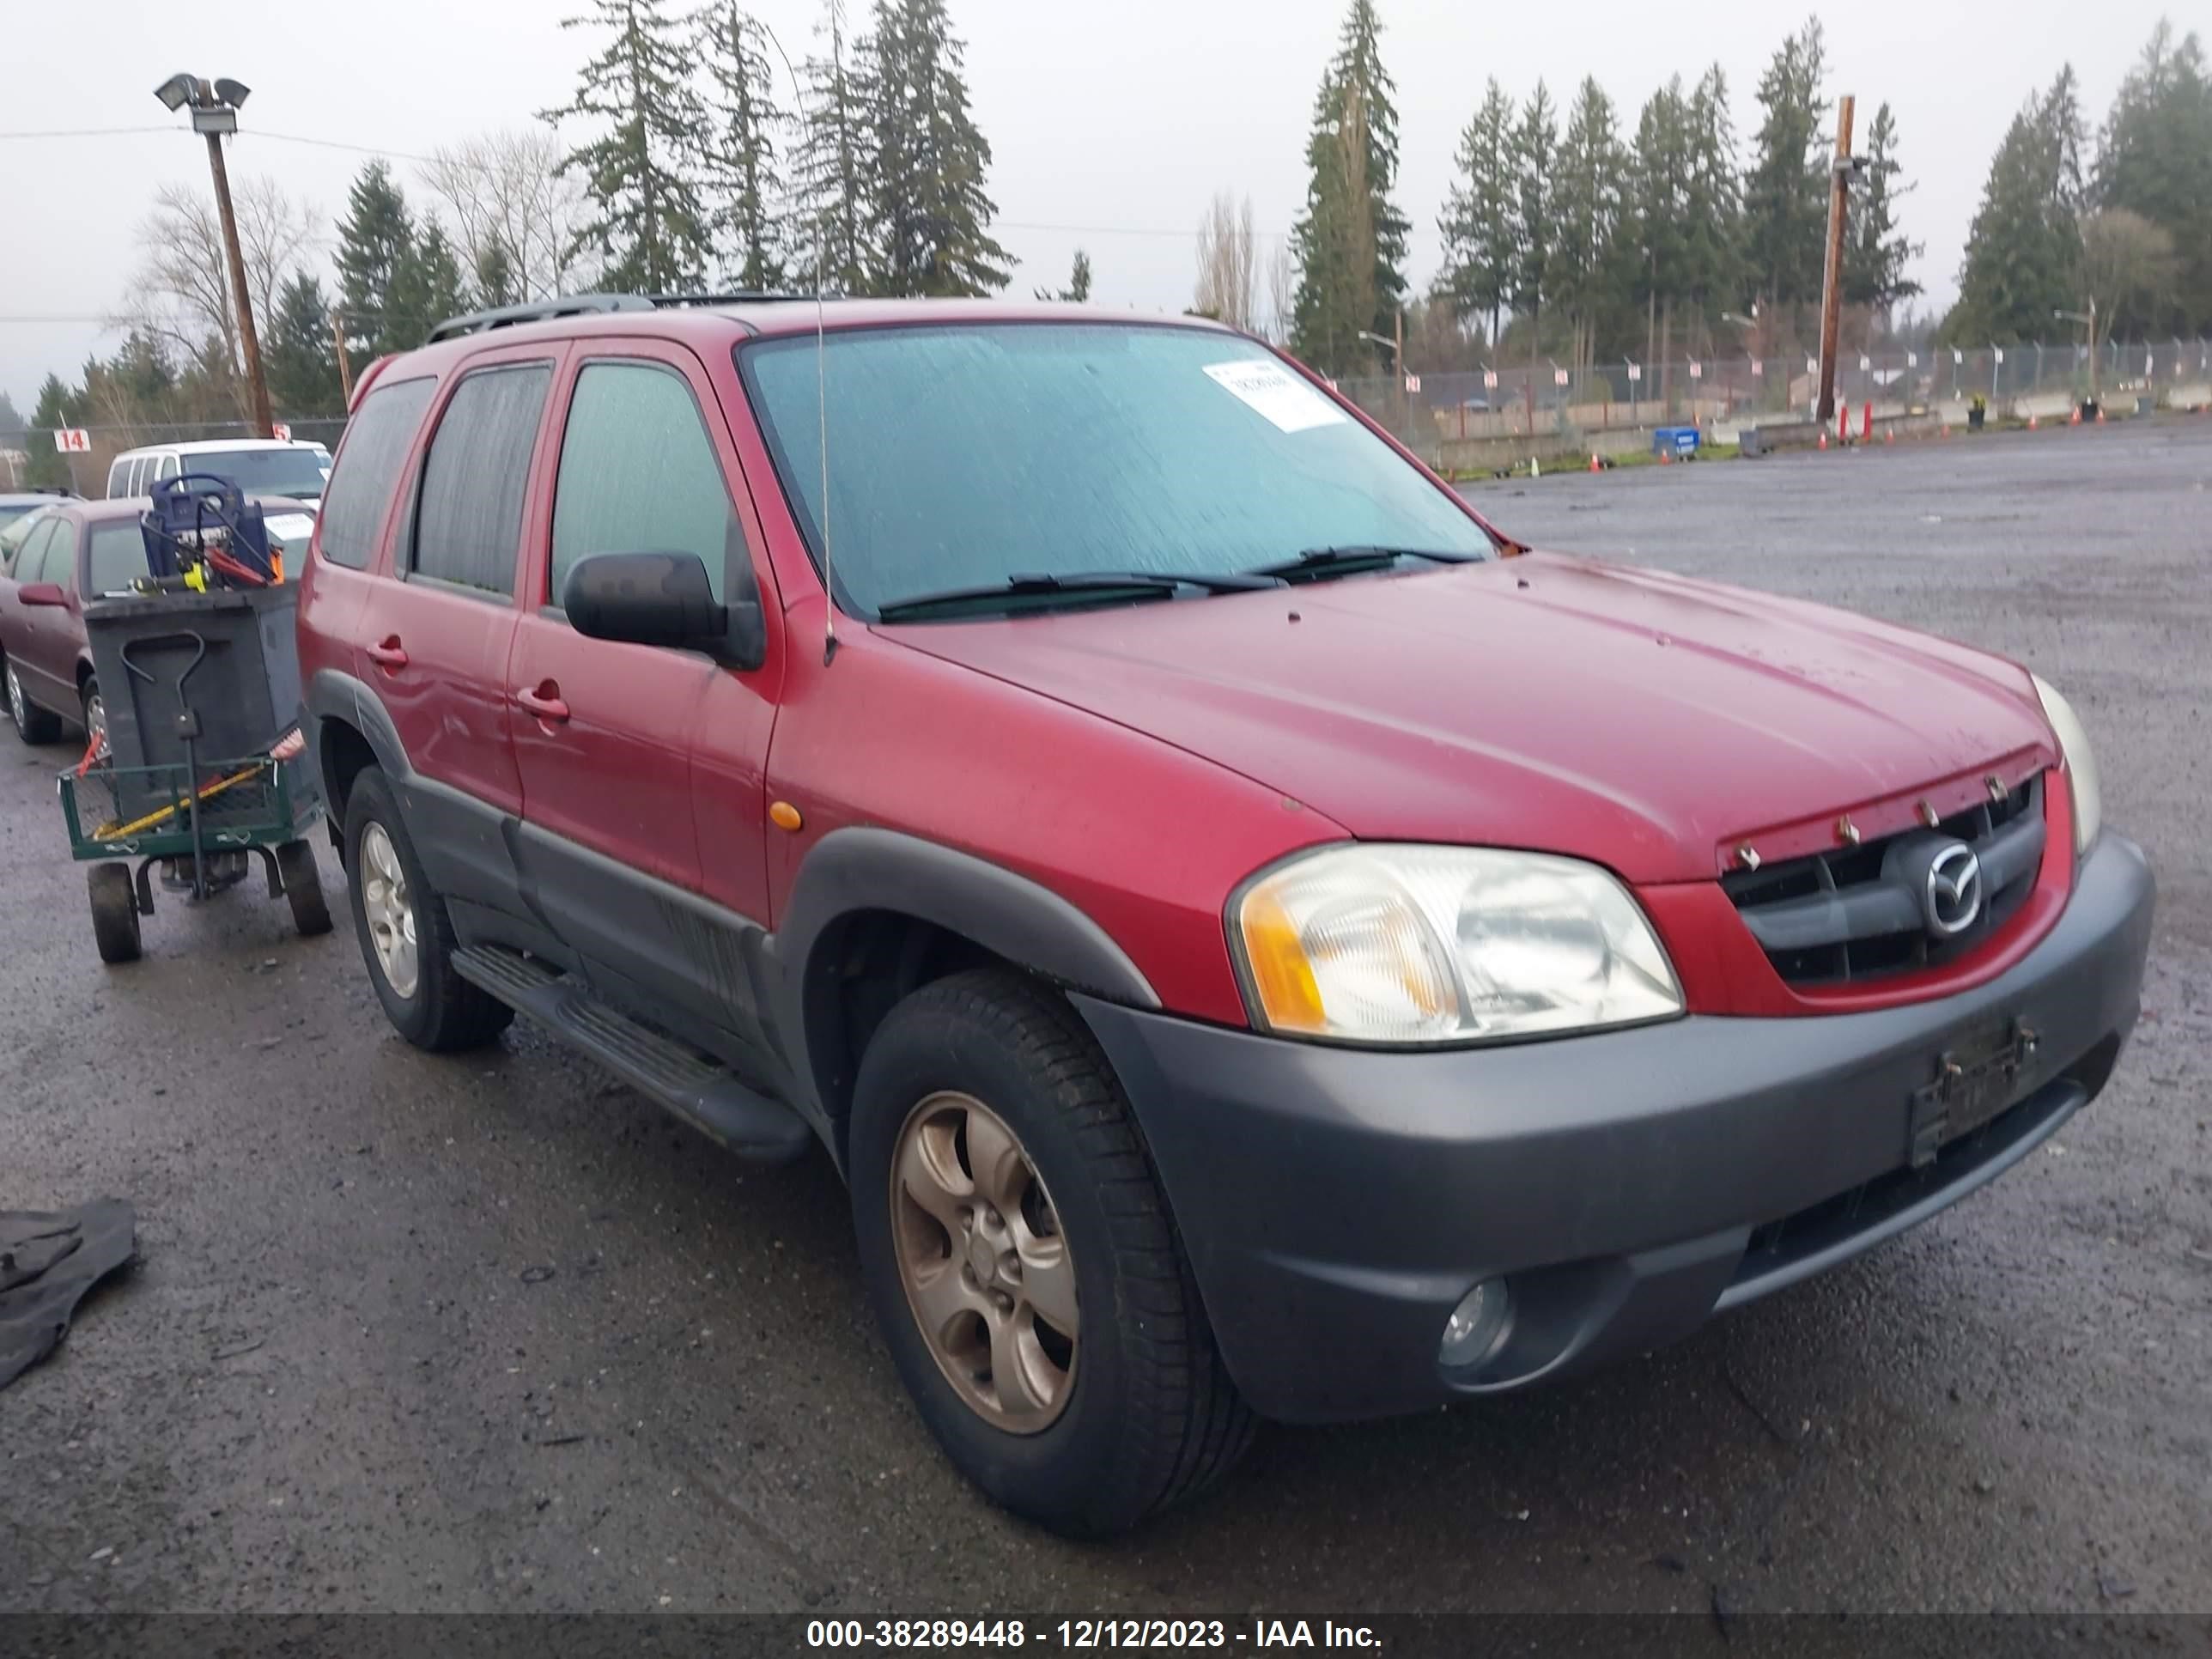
(1276, 393)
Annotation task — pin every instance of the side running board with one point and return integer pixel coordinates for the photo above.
(707, 1096)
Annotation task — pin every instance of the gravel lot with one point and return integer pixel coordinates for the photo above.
(494, 1335)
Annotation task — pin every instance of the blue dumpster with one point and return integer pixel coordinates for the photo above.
(1680, 440)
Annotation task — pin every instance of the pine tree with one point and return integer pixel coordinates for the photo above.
(2156, 160)
(303, 373)
(1662, 172)
(1712, 226)
(1785, 197)
(836, 168)
(375, 240)
(930, 206)
(1876, 252)
(495, 277)
(1587, 206)
(427, 288)
(1351, 242)
(59, 406)
(1478, 214)
(1535, 141)
(2024, 246)
(739, 152)
(648, 223)
(1077, 291)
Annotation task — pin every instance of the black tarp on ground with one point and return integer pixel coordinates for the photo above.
(47, 1263)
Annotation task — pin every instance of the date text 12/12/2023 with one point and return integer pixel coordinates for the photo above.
(1084, 1634)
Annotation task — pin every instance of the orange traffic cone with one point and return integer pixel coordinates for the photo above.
(2076, 420)
(2031, 422)
(1824, 437)
(1889, 434)
(2100, 415)
(1594, 465)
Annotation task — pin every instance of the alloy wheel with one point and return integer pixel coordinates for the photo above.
(987, 1272)
(389, 909)
(16, 711)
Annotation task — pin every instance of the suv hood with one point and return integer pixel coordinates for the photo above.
(1642, 721)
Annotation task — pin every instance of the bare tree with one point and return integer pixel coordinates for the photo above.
(1228, 262)
(2128, 267)
(508, 200)
(180, 293)
(1282, 292)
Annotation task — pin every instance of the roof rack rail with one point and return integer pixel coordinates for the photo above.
(581, 305)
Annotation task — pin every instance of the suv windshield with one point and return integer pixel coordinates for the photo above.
(297, 473)
(963, 456)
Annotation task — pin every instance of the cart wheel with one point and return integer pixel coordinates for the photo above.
(303, 887)
(114, 912)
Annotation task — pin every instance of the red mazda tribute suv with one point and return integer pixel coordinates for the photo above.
(1256, 940)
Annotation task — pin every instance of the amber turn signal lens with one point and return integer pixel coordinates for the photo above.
(1282, 978)
(784, 816)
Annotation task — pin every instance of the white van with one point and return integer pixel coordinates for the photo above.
(259, 466)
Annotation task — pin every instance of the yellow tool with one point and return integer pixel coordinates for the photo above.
(118, 831)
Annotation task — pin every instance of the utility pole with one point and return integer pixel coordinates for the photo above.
(1831, 292)
(215, 106)
(345, 365)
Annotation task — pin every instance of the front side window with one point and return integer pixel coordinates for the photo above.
(119, 477)
(468, 522)
(639, 474)
(961, 456)
(118, 558)
(368, 470)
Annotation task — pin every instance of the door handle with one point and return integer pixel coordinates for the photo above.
(386, 652)
(545, 702)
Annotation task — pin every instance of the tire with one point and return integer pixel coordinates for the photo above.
(33, 725)
(114, 913)
(303, 888)
(433, 1008)
(1145, 1414)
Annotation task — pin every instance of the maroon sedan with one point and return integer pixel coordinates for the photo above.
(77, 551)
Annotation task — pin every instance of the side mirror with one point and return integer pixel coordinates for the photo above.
(665, 599)
(48, 593)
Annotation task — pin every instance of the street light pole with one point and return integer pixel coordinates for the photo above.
(215, 106)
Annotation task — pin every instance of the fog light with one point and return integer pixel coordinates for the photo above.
(1476, 1326)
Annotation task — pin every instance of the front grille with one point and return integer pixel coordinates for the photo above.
(1846, 916)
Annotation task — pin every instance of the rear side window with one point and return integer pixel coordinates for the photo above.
(368, 470)
(469, 524)
(52, 554)
(639, 474)
(118, 558)
(33, 553)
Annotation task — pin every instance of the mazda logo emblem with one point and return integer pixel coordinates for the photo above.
(1952, 899)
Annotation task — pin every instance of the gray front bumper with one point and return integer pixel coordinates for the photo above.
(1337, 1203)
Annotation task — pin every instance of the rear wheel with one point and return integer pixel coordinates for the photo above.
(93, 711)
(1024, 1265)
(303, 888)
(406, 936)
(33, 725)
(114, 912)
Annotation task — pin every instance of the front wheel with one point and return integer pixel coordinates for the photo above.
(1023, 1264)
(33, 725)
(406, 936)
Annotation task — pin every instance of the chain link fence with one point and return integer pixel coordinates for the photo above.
(89, 468)
(1443, 416)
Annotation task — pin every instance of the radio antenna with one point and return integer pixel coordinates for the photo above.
(821, 354)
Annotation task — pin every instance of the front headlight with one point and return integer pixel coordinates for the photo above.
(1411, 944)
(2081, 764)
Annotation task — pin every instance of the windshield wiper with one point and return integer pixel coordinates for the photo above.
(1086, 587)
(1318, 564)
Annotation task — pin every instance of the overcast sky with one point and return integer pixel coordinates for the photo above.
(1118, 119)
